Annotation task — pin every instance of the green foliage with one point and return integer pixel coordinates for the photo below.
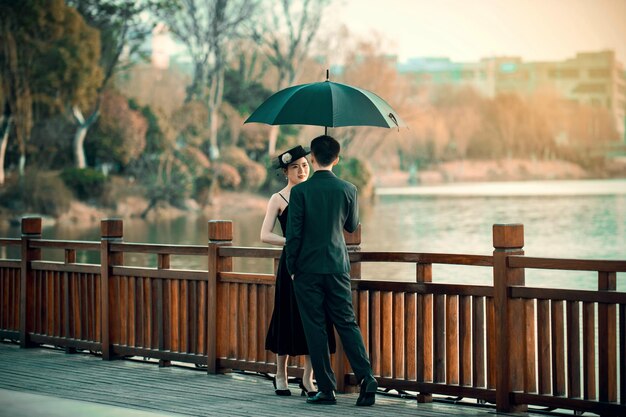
(86, 183)
(243, 95)
(355, 171)
(40, 192)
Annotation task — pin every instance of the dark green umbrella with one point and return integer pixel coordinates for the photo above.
(326, 104)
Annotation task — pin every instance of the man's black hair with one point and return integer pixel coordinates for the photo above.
(325, 149)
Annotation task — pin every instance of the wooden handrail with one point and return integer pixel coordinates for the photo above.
(153, 248)
(10, 241)
(65, 244)
(566, 264)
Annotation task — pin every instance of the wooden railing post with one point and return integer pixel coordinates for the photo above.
(424, 273)
(220, 234)
(163, 262)
(508, 239)
(31, 229)
(353, 243)
(111, 231)
(607, 341)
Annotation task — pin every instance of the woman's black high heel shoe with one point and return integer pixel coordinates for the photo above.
(306, 392)
(280, 392)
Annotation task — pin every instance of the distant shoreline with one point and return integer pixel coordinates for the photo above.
(580, 187)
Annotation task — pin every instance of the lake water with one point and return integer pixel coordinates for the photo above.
(562, 219)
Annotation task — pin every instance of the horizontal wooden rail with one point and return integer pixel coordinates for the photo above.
(566, 264)
(424, 258)
(10, 263)
(63, 267)
(248, 252)
(65, 244)
(598, 407)
(557, 294)
(191, 250)
(133, 271)
(246, 278)
(423, 288)
(10, 241)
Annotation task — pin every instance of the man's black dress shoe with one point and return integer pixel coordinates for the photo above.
(367, 395)
(322, 398)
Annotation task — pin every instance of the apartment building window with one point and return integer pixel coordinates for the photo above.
(590, 88)
(599, 73)
(564, 73)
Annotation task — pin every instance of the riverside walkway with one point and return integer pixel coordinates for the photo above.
(44, 381)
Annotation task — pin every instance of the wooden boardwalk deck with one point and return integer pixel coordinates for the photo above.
(145, 386)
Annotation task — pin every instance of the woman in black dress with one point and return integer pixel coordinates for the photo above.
(285, 335)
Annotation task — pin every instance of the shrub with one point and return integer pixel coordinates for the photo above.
(228, 177)
(252, 173)
(39, 192)
(86, 183)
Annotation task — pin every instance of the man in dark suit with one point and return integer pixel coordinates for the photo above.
(317, 259)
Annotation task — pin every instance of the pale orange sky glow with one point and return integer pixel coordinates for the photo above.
(467, 30)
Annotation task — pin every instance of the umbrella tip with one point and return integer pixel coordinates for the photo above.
(327, 75)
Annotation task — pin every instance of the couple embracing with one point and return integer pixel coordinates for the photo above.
(313, 290)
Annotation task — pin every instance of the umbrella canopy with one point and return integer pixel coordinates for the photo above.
(326, 104)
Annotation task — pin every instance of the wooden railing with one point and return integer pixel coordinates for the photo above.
(505, 343)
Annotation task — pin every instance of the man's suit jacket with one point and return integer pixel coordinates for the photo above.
(319, 210)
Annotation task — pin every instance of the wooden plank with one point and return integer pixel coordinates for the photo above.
(174, 300)
(132, 319)
(558, 349)
(567, 264)
(422, 288)
(246, 278)
(600, 408)
(622, 353)
(63, 267)
(478, 342)
(376, 332)
(465, 340)
(183, 334)
(410, 332)
(58, 307)
(573, 350)
(165, 249)
(363, 317)
(530, 377)
(607, 341)
(193, 314)
(491, 343)
(263, 323)
(241, 329)
(398, 336)
(253, 321)
(247, 252)
(387, 336)
(543, 346)
(233, 319)
(568, 295)
(97, 307)
(140, 313)
(169, 274)
(439, 339)
(147, 314)
(452, 340)
(49, 330)
(66, 244)
(202, 313)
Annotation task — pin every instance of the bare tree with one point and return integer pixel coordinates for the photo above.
(206, 28)
(287, 35)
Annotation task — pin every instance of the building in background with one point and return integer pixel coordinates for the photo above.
(592, 78)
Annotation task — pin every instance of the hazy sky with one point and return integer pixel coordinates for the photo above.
(466, 30)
